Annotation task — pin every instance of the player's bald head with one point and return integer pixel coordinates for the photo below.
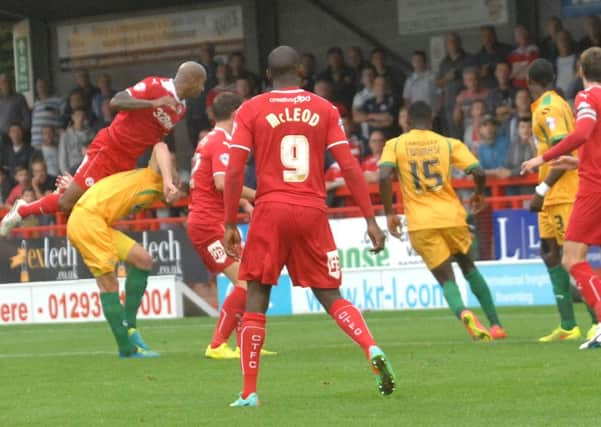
(283, 61)
(190, 79)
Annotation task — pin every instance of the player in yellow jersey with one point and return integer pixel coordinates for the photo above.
(552, 121)
(436, 219)
(101, 246)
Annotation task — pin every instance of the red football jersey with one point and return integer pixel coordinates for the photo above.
(370, 164)
(588, 106)
(289, 132)
(133, 131)
(210, 158)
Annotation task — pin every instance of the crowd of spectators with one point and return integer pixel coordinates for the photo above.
(480, 98)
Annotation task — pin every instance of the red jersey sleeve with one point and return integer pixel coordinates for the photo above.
(242, 132)
(336, 133)
(144, 89)
(220, 158)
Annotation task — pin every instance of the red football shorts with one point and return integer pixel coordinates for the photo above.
(97, 164)
(208, 242)
(585, 221)
(297, 237)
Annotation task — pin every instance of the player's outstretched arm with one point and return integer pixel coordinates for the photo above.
(353, 176)
(123, 101)
(160, 162)
(392, 219)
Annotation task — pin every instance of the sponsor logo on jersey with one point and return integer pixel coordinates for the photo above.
(163, 117)
(334, 264)
(295, 100)
(217, 251)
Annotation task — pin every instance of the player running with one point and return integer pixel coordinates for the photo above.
(552, 120)
(147, 112)
(101, 247)
(289, 130)
(583, 228)
(436, 219)
(205, 220)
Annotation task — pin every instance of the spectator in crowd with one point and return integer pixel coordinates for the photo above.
(356, 142)
(379, 112)
(16, 151)
(522, 111)
(471, 136)
(76, 101)
(46, 112)
(566, 61)
(83, 84)
(369, 165)
(492, 152)
(490, 54)
(223, 74)
(576, 84)
(333, 180)
(592, 29)
(524, 53)
(500, 99)
(74, 141)
(6, 185)
(207, 59)
(41, 182)
(100, 102)
(340, 75)
(450, 79)
(473, 90)
(308, 71)
(324, 88)
(13, 106)
(244, 87)
(357, 63)
(395, 78)
(520, 150)
(237, 64)
(420, 85)
(197, 118)
(22, 180)
(49, 150)
(548, 46)
(368, 75)
(403, 119)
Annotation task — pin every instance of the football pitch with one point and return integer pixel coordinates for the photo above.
(69, 375)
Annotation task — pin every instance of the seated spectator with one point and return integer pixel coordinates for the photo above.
(49, 150)
(324, 88)
(22, 179)
(100, 102)
(83, 85)
(46, 112)
(340, 75)
(473, 91)
(575, 85)
(379, 112)
(334, 180)
(244, 87)
(521, 111)
(403, 119)
(356, 142)
(420, 85)
(16, 151)
(28, 195)
(490, 54)
(368, 75)
(76, 101)
(207, 59)
(237, 64)
(224, 84)
(492, 153)
(13, 106)
(394, 77)
(548, 47)
(308, 74)
(74, 141)
(521, 57)
(41, 182)
(519, 151)
(471, 137)
(6, 185)
(592, 29)
(500, 99)
(357, 63)
(377, 139)
(566, 61)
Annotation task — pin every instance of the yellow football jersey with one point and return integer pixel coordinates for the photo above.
(118, 195)
(552, 121)
(424, 160)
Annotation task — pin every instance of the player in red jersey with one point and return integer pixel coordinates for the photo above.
(289, 131)
(147, 112)
(583, 229)
(205, 219)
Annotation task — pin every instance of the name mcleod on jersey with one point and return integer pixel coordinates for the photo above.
(296, 114)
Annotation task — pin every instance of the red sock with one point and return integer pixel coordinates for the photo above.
(351, 321)
(589, 285)
(44, 206)
(229, 317)
(252, 338)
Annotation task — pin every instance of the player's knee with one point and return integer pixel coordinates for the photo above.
(568, 261)
(143, 261)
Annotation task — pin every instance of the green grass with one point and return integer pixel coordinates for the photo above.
(68, 375)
